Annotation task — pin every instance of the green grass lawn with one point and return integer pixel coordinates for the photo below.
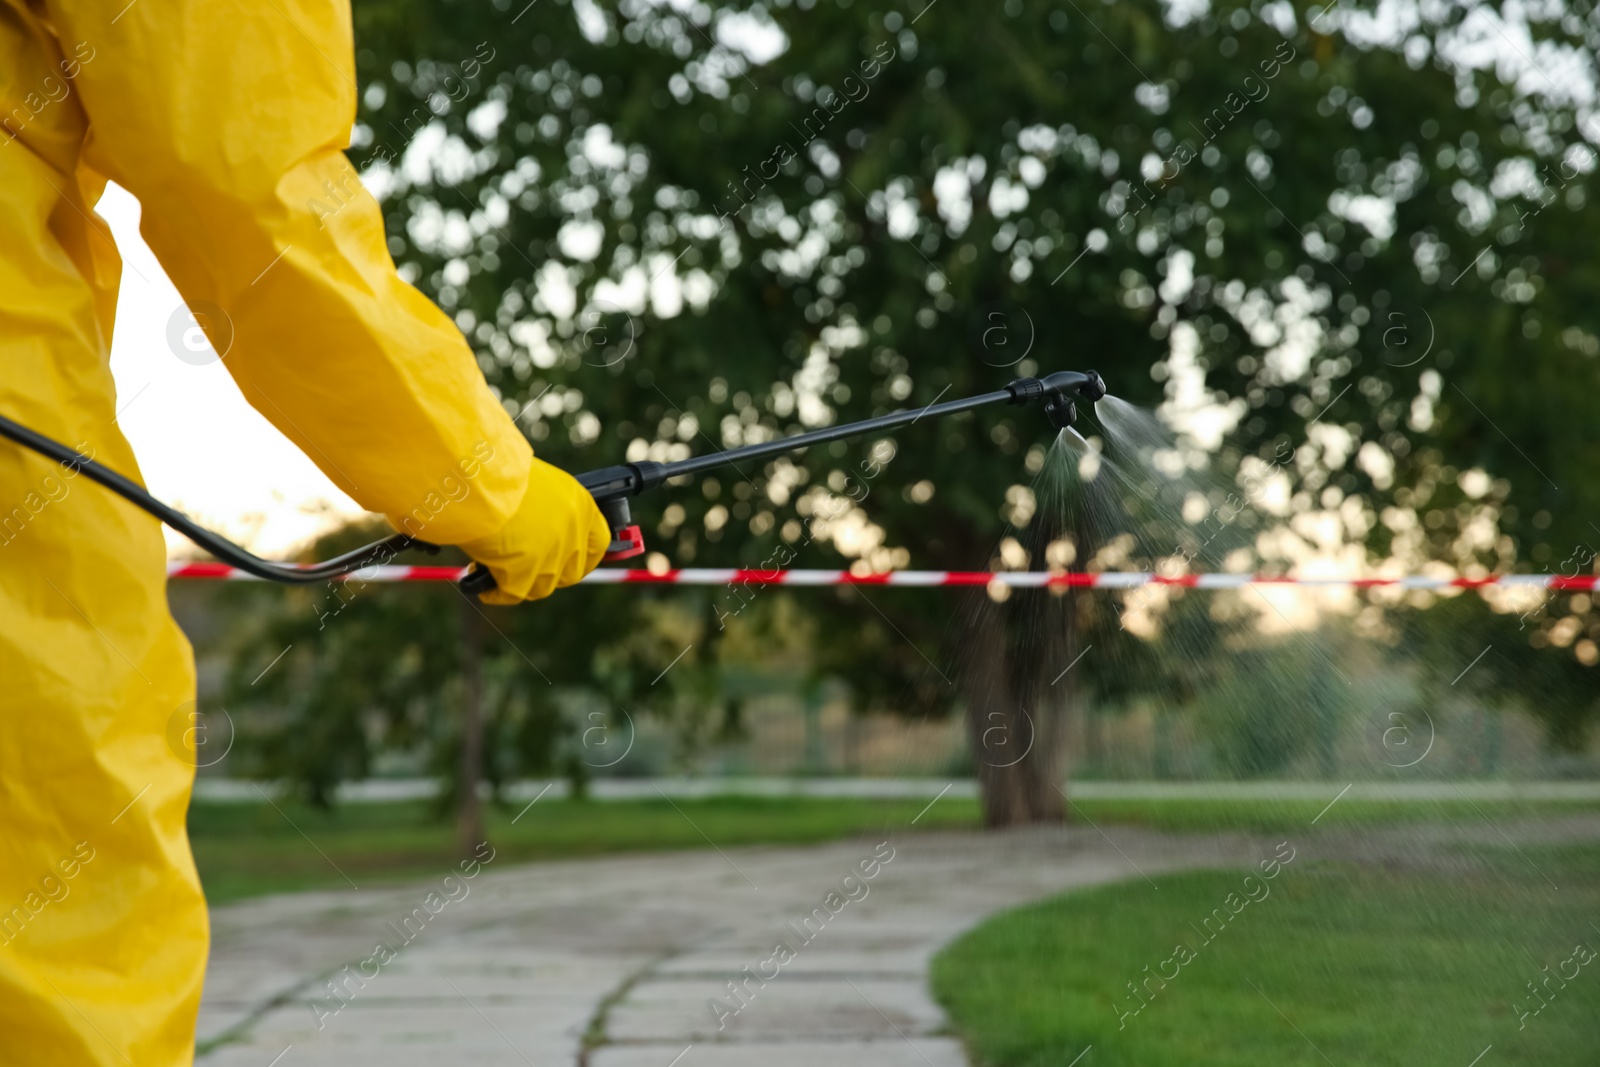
(1338, 964)
(249, 849)
(245, 850)
(1269, 816)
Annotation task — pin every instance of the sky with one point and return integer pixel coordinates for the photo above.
(200, 446)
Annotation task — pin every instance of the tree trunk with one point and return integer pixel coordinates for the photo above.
(469, 809)
(1012, 653)
(816, 756)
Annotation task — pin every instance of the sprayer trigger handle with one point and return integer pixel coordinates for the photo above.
(626, 543)
(476, 581)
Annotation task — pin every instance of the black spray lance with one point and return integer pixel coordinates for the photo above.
(612, 487)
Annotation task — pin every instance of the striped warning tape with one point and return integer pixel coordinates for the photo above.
(1016, 579)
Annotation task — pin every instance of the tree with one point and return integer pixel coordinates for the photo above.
(324, 681)
(677, 228)
(1506, 658)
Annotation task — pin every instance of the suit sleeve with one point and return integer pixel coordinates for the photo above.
(229, 120)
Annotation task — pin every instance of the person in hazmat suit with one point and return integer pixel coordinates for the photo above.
(228, 121)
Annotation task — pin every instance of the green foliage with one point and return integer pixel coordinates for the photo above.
(841, 277)
(1277, 702)
(658, 245)
(1061, 117)
(329, 676)
(325, 683)
(1505, 659)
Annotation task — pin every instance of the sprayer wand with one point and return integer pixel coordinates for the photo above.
(611, 486)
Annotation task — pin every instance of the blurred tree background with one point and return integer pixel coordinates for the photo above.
(1345, 249)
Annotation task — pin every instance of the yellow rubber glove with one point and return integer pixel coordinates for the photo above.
(556, 537)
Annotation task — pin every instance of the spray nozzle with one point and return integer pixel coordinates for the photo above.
(1059, 391)
(1087, 384)
(1061, 411)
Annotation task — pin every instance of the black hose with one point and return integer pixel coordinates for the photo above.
(223, 549)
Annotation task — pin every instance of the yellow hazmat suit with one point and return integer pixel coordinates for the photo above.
(227, 119)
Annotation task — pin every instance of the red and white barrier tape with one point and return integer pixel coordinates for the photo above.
(1017, 579)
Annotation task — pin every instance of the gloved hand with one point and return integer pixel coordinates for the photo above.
(555, 538)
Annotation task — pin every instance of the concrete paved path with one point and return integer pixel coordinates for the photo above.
(616, 962)
(613, 962)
